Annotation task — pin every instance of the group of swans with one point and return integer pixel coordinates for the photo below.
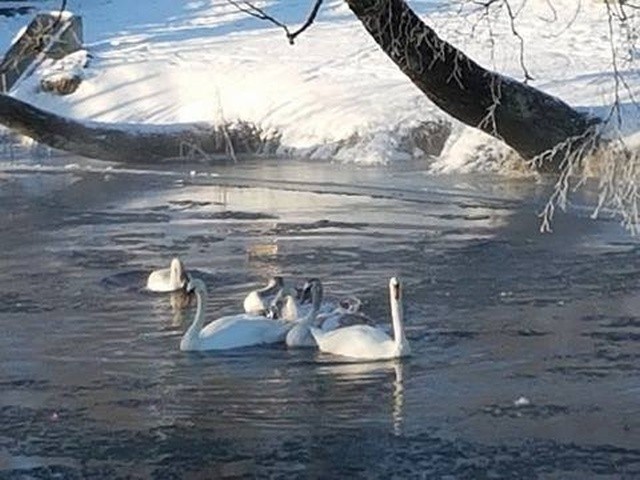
(276, 314)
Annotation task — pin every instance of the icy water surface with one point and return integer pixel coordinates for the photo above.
(92, 384)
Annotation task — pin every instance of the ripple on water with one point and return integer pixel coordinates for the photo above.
(112, 218)
(106, 393)
(180, 449)
(21, 302)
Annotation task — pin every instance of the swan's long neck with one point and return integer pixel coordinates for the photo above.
(315, 308)
(264, 291)
(194, 330)
(269, 289)
(397, 320)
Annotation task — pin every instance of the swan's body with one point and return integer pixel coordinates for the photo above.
(339, 319)
(234, 331)
(365, 342)
(168, 279)
(257, 302)
(300, 334)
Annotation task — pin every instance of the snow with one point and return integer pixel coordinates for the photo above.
(334, 94)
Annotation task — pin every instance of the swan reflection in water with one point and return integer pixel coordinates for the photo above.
(180, 302)
(356, 373)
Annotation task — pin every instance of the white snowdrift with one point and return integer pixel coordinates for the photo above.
(163, 62)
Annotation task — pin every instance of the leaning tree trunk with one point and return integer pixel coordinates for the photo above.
(132, 143)
(530, 121)
(536, 125)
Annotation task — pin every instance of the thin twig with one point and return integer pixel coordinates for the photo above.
(310, 19)
(512, 18)
(260, 14)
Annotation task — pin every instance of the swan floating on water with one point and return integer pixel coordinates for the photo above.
(257, 302)
(168, 279)
(365, 342)
(233, 331)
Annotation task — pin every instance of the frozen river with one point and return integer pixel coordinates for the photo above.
(92, 384)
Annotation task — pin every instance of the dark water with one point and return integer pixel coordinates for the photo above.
(92, 384)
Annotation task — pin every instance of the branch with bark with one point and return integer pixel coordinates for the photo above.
(131, 143)
(529, 120)
(540, 127)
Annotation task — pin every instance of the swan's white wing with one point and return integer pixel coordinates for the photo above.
(253, 304)
(242, 331)
(358, 341)
(160, 281)
(340, 319)
(329, 322)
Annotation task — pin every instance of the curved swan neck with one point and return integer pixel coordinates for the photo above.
(270, 288)
(316, 301)
(198, 320)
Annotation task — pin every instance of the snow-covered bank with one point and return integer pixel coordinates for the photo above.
(334, 94)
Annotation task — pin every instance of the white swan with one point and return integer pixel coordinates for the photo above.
(234, 331)
(168, 279)
(300, 334)
(257, 301)
(365, 342)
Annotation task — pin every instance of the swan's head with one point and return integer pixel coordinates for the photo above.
(395, 289)
(312, 292)
(196, 285)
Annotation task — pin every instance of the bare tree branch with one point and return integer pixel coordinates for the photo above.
(257, 12)
(310, 19)
(512, 21)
